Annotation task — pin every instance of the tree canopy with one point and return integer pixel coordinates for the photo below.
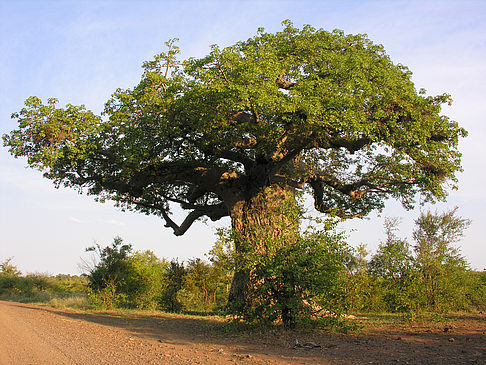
(323, 112)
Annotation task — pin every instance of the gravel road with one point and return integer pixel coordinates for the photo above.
(37, 335)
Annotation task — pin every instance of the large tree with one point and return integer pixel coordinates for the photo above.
(237, 133)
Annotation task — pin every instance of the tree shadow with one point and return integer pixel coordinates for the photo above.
(418, 346)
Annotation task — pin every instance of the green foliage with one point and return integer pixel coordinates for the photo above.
(443, 271)
(391, 266)
(297, 284)
(15, 286)
(72, 284)
(363, 293)
(145, 284)
(206, 286)
(7, 269)
(107, 296)
(108, 277)
(222, 258)
(325, 112)
(222, 254)
(482, 277)
(199, 286)
(393, 260)
(126, 279)
(312, 282)
(431, 276)
(48, 134)
(357, 261)
(476, 293)
(37, 287)
(174, 280)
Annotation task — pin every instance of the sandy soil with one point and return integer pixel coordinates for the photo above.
(32, 334)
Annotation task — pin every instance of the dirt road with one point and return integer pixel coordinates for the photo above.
(32, 334)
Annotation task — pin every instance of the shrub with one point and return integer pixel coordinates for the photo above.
(298, 284)
(173, 282)
(126, 279)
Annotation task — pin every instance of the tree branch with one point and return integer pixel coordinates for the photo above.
(214, 212)
(318, 189)
(185, 225)
(233, 156)
(283, 84)
(352, 145)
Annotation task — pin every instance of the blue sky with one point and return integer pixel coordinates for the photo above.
(81, 51)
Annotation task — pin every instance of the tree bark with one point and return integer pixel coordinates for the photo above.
(265, 221)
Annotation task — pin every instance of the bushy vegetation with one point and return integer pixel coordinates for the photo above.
(40, 287)
(312, 282)
(428, 276)
(296, 284)
(122, 278)
(127, 279)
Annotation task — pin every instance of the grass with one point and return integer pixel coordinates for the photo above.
(79, 302)
(361, 322)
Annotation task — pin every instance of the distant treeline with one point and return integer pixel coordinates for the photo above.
(40, 287)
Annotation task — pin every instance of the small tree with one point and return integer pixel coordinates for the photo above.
(392, 267)
(43, 282)
(222, 258)
(443, 270)
(7, 269)
(11, 281)
(393, 260)
(358, 262)
(174, 280)
(125, 278)
(362, 292)
(200, 286)
(144, 283)
(112, 266)
(108, 276)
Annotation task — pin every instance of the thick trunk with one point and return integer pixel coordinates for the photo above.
(261, 224)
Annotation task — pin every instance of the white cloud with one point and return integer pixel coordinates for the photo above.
(75, 220)
(114, 222)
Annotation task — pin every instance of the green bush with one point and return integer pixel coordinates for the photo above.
(125, 279)
(298, 284)
(205, 287)
(173, 282)
(442, 272)
(431, 276)
(144, 283)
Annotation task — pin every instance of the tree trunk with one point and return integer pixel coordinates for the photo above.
(260, 224)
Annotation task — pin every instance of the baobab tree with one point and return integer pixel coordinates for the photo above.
(240, 131)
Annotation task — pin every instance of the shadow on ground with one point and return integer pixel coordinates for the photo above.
(463, 342)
